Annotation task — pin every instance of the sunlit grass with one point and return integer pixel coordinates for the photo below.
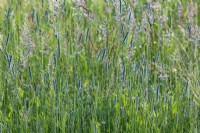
(99, 66)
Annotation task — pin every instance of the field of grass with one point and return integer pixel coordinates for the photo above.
(99, 66)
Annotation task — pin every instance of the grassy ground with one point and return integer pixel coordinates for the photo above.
(99, 66)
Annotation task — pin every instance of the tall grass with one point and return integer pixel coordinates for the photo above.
(99, 66)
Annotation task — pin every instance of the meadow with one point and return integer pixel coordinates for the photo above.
(99, 66)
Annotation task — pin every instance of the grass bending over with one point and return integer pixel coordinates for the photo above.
(99, 66)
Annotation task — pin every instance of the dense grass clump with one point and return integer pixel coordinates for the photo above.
(99, 66)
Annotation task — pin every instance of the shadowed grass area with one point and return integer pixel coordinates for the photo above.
(99, 66)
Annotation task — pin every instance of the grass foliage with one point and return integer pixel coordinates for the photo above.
(99, 66)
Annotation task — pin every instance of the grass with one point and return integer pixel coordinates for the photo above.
(106, 66)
